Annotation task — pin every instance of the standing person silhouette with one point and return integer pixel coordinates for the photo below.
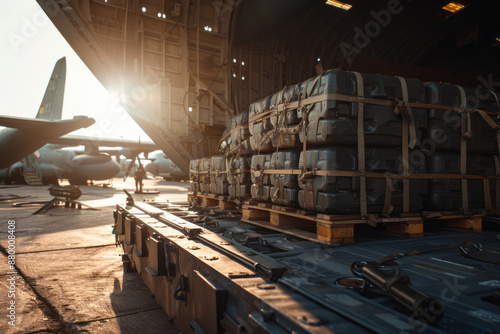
(138, 177)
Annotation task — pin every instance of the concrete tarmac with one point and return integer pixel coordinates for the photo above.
(68, 275)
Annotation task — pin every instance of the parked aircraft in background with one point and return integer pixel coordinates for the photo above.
(23, 136)
(160, 165)
(60, 161)
(55, 160)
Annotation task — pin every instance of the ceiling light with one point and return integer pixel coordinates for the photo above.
(190, 109)
(234, 60)
(242, 78)
(159, 14)
(164, 16)
(339, 4)
(143, 9)
(454, 7)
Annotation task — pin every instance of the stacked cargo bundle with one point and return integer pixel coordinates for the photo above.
(229, 172)
(240, 134)
(208, 176)
(259, 125)
(341, 194)
(194, 176)
(462, 140)
(342, 111)
(284, 132)
(284, 188)
(218, 175)
(238, 176)
(204, 175)
(356, 143)
(332, 113)
(225, 141)
(261, 181)
(446, 194)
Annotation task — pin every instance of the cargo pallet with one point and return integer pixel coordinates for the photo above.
(339, 229)
(211, 200)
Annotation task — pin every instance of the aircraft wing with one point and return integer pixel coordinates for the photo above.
(47, 128)
(94, 143)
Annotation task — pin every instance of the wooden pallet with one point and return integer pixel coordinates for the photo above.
(294, 222)
(210, 200)
(339, 229)
(462, 223)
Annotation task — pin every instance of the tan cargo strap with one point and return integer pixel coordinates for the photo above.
(361, 146)
(487, 119)
(236, 149)
(308, 189)
(210, 173)
(401, 107)
(204, 174)
(243, 125)
(465, 129)
(238, 171)
(266, 138)
(258, 173)
(194, 174)
(497, 171)
(347, 173)
(487, 194)
(388, 207)
(354, 99)
(274, 195)
(496, 157)
(217, 172)
(408, 124)
(238, 186)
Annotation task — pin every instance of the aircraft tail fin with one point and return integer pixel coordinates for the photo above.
(52, 103)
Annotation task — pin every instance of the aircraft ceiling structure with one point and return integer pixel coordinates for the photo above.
(182, 68)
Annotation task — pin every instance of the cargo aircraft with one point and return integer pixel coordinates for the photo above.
(23, 136)
(160, 165)
(33, 151)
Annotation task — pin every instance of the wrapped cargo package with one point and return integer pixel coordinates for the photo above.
(218, 175)
(204, 175)
(283, 121)
(261, 183)
(240, 134)
(446, 194)
(341, 194)
(444, 131)
(259, 140)
(238, 176)
(332, 121)
(194, 176)
(284, 188)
